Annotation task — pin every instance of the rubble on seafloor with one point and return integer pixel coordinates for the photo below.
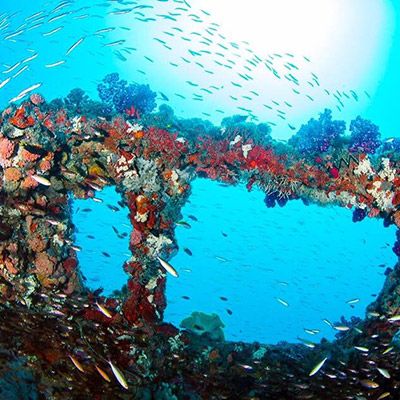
(58, 340)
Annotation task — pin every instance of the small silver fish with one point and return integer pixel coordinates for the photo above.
(4, 83)
(362, 349)
(42, 180)
(75, 45)
(384, 372)
(10, 69)
(56, 64)
(283, 302)
(341, 328)
(52, 32)
(168, 267)
(25, 92)
(353, 301)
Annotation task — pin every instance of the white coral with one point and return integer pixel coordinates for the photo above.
(383, 198)
(156, 244)
(386, 171)
(134, 128)
(260, 353)
(141, 217)
(145, 177)
(175, 178)
(364, 168)
(237, 139)
(245, 149)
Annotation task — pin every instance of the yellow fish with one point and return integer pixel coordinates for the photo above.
(317, 367)
(103, 310)
(102, 374)
(77, 364)
(118, 374)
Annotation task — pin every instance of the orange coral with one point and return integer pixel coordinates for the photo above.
(28, 156)
(6, 148)
(37, 243)
(142, 204)
(139, 135)
(21, 120)
(96, 170)
(44, 165)
(44, 265)
(12, 174)
(29, 183)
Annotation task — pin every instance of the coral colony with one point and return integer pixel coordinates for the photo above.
(87, 346)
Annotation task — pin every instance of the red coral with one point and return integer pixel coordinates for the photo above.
(136, 237)
(21, 119)
(217, 160)
(265, 160)
(165, 144)
(137, 307)
(70, 264)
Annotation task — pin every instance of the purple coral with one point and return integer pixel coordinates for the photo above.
(365, 136)
(274, 198)
(359, 214)
(317, 136)
(122, 96)
(396, 246)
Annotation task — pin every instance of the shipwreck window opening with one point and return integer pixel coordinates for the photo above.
(102, 239)
(274, 274)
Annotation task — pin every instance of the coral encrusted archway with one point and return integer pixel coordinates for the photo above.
(46, 156)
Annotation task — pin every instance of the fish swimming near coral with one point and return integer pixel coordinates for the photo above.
(77, 364)
(318, 367)
(42, 180)
(168, 267)
(118, 374)
(103, 374)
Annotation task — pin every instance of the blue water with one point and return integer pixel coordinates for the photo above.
(314, 258)
(95, 235)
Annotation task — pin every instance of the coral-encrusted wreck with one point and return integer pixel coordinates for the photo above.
(50, 318)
